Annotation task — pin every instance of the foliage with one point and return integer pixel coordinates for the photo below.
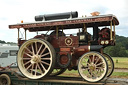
(1, 41)
(120, 49)
(122, 40)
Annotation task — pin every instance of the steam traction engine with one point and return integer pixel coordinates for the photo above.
(40, 55)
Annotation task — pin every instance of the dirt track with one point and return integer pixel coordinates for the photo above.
(121, 70)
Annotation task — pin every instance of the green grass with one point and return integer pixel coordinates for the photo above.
(120, 62)
(120, 75)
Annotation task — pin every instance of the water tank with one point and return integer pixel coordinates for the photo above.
(65, 15)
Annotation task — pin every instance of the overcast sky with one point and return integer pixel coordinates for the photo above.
(13, 11)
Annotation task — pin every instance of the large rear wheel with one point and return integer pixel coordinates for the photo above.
(36, 58)
(92, 67)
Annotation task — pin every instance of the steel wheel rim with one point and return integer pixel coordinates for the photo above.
(91, 69)
(38, 61)
(110, 64)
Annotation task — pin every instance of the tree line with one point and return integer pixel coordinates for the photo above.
(3, 42)
(120, 49)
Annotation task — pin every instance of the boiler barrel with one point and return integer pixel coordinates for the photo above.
(65, 15)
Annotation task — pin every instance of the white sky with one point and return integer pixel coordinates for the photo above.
(13, 11)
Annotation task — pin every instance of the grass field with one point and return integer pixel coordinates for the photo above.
(120, 75)
(120, 62)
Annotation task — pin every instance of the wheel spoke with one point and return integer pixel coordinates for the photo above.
(90, 60)
(45, 58)
(45, 54)
(26, 58)
(39, 49)
(100, 68)
(32, 68)
(36, 47)
(36, 69)
(45, 63)
(99, 64)
(91, 73)
(84, 68)
(27, 63)
(43, 51)
(33, 49)
(28, 66)
(97, 70)
(100, 72)
(28, 54)
(39, 68)
(97, 60)
(88, 64)
(43, 67)
(95, 73)
(28, 50)
(84, 60)
(83, 63)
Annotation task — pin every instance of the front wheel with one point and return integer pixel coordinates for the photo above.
(92, 67)
(110, 64)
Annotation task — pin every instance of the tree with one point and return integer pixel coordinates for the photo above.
(1, 41)
(116, 51)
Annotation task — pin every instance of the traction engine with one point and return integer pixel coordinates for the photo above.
(53, 53)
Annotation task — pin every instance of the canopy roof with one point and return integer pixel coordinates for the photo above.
(101, 20)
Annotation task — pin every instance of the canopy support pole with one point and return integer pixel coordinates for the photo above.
(84, 29)
(18, 33)
(111, 30)
(25, 33)
(114, 30)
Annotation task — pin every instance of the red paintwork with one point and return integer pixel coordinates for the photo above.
(65, 49)
(79, 51)
(20, 42)
(59, 43)
(63, 59)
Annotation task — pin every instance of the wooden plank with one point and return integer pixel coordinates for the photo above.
(60, 80)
